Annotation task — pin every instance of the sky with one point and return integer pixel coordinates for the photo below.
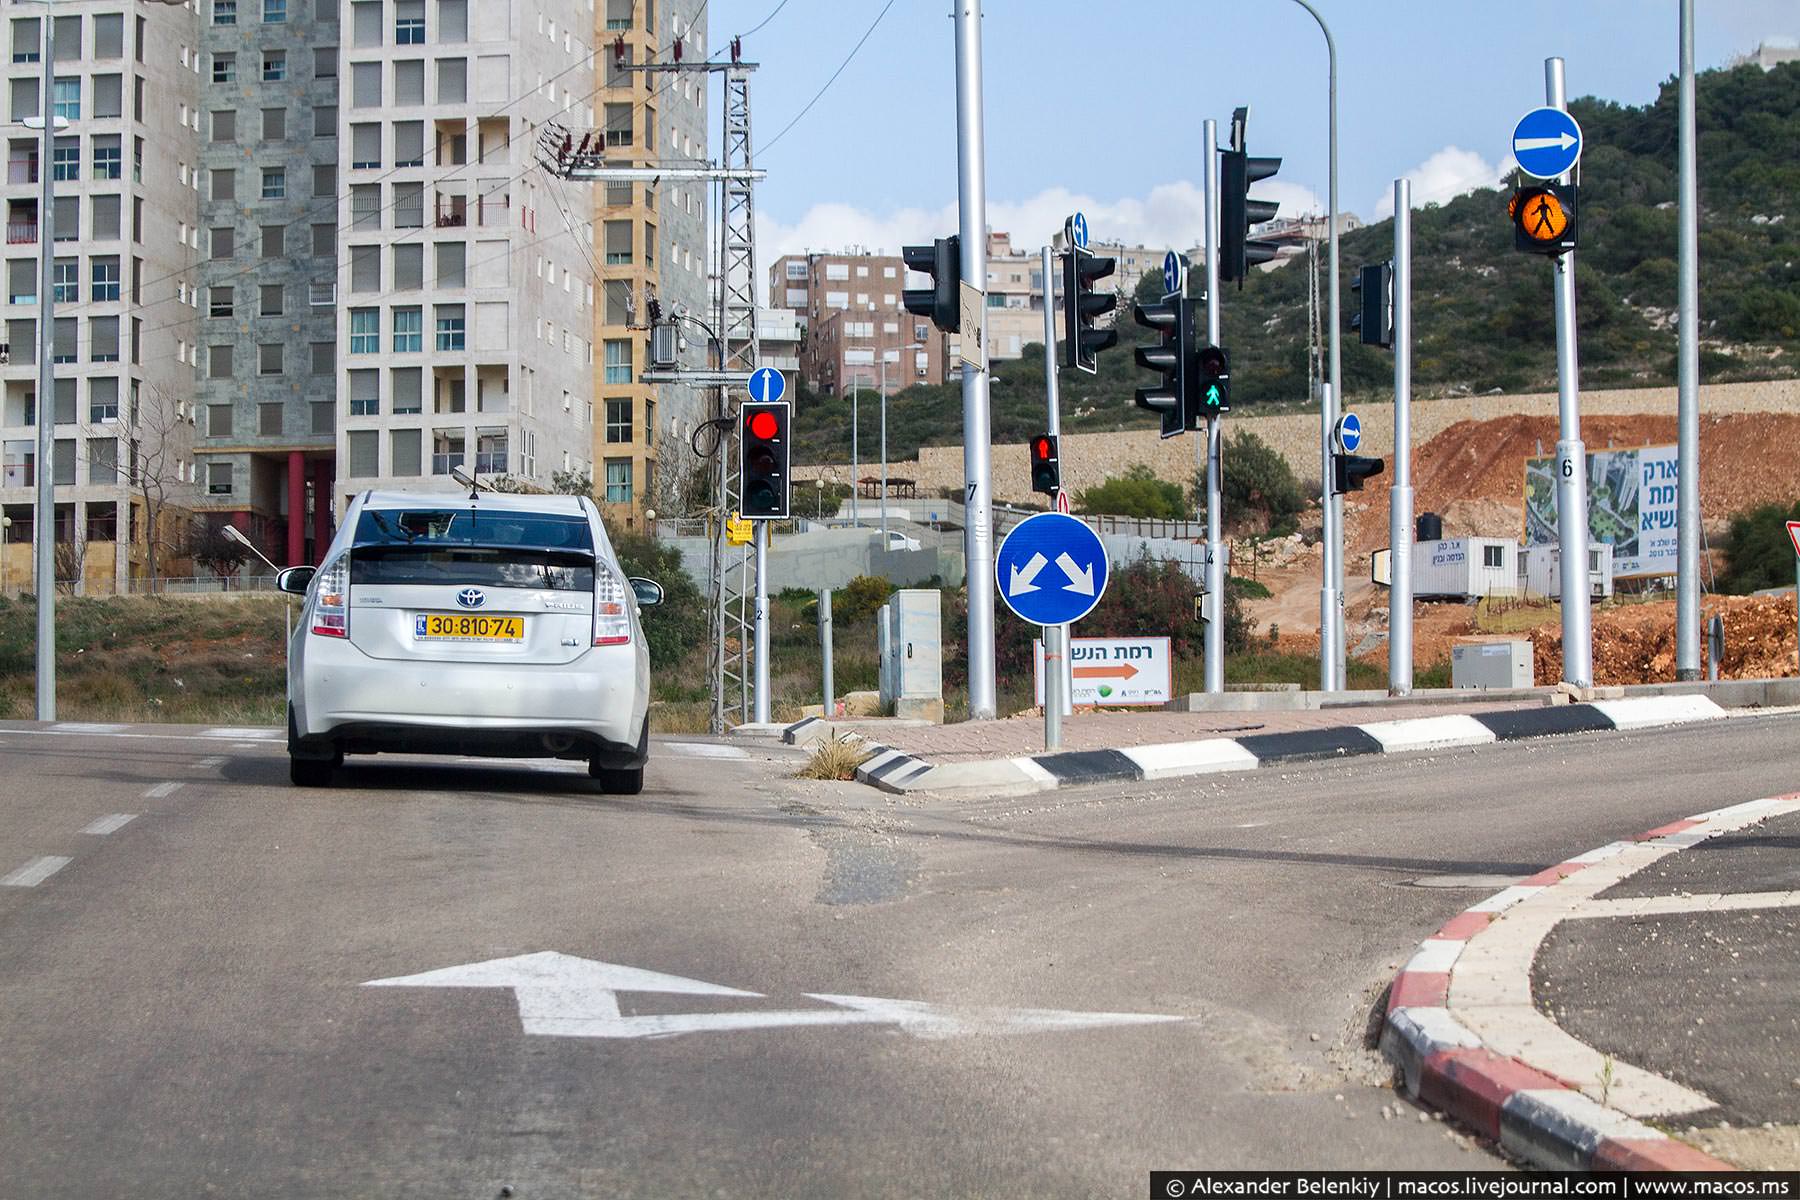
(1098, 104)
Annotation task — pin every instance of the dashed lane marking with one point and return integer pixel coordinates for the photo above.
(111, 824)
(209, 762)
(35, 871)
(162, 789)
(240, 734)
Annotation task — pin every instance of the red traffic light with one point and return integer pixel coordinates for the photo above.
(763, 425)
(1040, 450)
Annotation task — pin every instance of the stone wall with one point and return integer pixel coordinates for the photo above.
(1091, 458)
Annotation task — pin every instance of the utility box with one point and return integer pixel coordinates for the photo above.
(912, 654)
(1540, 571)
(1491, 664)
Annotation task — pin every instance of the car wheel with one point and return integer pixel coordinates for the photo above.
(311, 772)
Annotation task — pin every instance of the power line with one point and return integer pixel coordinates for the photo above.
(770, 144)
(764, 21)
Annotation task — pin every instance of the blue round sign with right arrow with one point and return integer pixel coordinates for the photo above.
(1051, 569)
(1349, 432)
(1546, 143)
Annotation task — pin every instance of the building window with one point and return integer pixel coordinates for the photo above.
(363, 445)
(109, 159)
(274, 183)
(224, 68)
(274, 241)
(618, 362)
(221, 300)
(274, 11)
(218, 420)
(274, 124)
(106, 279)
(65, 96)
(65, 282)
(103, 399)
(365, 331)
(408, 330)
(268, 358)
(218, 474)
(450, 327)
(274, 66)
(365, 394)
(1491, 556)
(618, 481)
(65, 161)
(409, 23)
(618, 421)
(225, 13)
(274, 299)
(404, 451)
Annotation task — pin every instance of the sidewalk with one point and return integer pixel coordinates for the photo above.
(1636, 1007)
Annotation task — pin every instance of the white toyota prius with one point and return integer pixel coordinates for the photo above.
(493, 625)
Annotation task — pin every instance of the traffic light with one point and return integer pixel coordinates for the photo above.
(1545, 218)
(1237, 211)
(1210, 383)
(1374, 315)
(763, 460)
(1171, 358)
(942, 301)
(1082, 342)
(1349, 470)
(1046, 466)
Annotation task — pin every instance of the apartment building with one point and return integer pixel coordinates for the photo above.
(124, 243)
(653, 238)
(852, 321)
(465, 288)
(266, 182)
(1015, 298)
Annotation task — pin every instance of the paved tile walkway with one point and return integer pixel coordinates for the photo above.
(1116, 730)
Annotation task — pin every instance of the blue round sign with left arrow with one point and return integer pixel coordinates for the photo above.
(1051, 569)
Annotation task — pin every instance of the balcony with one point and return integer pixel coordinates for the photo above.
(442, 463)
(21, 233)
(18, 474)
(22, 170)
(445, 220)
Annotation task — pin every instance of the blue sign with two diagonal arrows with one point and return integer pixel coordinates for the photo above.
(1051, 569)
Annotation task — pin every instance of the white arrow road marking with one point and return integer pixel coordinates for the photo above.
(1081, 579)
(1020, 582)
(1561, 141)
(560, 995)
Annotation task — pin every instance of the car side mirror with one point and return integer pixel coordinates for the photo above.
(649, 593)
(295, 580)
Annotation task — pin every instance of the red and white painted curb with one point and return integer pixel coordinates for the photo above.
(1467, 1039)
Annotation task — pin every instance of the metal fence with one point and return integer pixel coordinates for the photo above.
(195, 585)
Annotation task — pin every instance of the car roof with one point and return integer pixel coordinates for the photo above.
(492, 501)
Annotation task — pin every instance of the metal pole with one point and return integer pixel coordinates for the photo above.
(855, 484)
(978, 543)
(1053, 691)
(1687, 372)
(827, 708)
(1571, 455)
(45, 521)
(884, 484)
(761, 699)
(1215, 483)
(1400, 497)
(1328, 593)
(1057, 635)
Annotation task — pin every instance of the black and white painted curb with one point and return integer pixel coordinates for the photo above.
(896, 771)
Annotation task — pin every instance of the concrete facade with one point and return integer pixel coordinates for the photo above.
(124, 248)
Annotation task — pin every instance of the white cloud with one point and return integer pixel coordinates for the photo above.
(1169, 216)
(1444, 176)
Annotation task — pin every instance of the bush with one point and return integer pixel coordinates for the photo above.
(860, 599)
(673, 628)
(1758, 553)
(1137, 493)
(1259, 488)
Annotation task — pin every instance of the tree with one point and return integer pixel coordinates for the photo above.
(673, 628)
(1137, 493)
(154, 439)
(1259, 488)
(210, 546)
(1758, 553)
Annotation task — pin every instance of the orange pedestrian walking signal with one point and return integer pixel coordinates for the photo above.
(1544, 219)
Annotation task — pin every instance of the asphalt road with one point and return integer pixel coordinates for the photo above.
(181, 1009)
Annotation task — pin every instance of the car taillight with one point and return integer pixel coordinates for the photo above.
(331, 604)
(612, 619)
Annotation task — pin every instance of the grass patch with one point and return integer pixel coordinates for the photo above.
(835, 759)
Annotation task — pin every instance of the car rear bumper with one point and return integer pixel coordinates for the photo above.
(346, 700)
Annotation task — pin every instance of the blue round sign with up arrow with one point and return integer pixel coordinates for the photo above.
(1051, 569)
(766, 385)
(1078, 230)
(1547, 143)
(1174, 267)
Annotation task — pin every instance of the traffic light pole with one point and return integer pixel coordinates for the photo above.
(1571, 455)
(1058, 670)
(1687, 373)
(1400, 497)
(978, 534)
(1215, 551)
(761, 688)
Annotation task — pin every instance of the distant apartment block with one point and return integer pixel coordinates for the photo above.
(851, 322)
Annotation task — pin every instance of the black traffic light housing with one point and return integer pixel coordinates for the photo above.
(1046, 465)
(1172, 358)
(763, 460)
(1546, 218)
(1082, 341)
(942, 301)
(1349, 470)
(1209, 385)
(1373, 319)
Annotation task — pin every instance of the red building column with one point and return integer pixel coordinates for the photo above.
(322, 507)
(296, 506)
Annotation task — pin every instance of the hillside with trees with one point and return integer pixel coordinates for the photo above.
(1482, 310)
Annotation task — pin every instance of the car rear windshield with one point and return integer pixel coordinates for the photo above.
(489, 566)
(429, 528)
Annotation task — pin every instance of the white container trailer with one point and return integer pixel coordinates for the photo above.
(1465, 568)
(1540, 571)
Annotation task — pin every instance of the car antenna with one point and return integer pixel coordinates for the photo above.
(475, 485)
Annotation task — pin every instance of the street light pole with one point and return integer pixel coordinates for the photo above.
(855, 484)
(1687, 370)
(884, 485)
(45, 522)
(1331, 662)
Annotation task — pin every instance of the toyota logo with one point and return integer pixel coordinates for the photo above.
(471, 597)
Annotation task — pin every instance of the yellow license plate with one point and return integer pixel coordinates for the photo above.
(467, 627)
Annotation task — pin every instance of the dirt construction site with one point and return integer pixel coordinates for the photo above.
(1473, 475)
